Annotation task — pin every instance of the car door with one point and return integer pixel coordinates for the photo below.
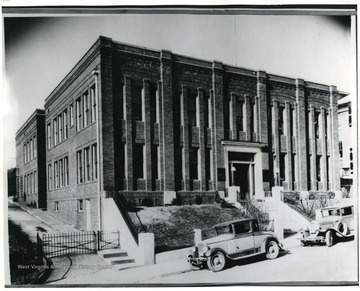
(244, 239)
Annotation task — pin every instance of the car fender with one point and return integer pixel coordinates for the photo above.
(263, 246)
(213, 250)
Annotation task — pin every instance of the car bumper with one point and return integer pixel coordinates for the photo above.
(197, 260)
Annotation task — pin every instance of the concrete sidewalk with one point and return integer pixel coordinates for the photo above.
(52, 223)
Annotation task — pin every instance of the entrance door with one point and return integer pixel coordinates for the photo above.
(241, 178)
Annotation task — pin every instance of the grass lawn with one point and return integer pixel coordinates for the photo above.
(25, 265)
(173, 226)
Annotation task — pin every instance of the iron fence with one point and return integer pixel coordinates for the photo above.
(86, 242)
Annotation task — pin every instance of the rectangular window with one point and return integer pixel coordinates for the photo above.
(251, 118)
(79, 167)
(49, 177)
(138, 161)
(66, 171)
(282, 167)
(136, 102)
(292, 122)
(56, 175)
(60, 125)
(87, 164)
(49, 135)
(80, 205)
(153, 104)
(61, 170)
(94, 160)
(24, 154)
(340, 149)
(35, 147)
(193, 155)
(206, 110)
(192, 108)
(316, 124)
(93, 103)
(35, 183)
(350, 118)
(318, 168)
(281, 120)
(31, 149)
(55, 128)
(65, 121)
(78, 114)
(71, 115)
(86, 109)
(239, 116)
(56, 206)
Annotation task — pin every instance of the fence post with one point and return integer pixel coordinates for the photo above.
(98, 239)
(95, 241)
(118, 244)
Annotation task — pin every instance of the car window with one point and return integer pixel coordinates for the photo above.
(223, 229)
(242, 227)
(346, 211)
(255, 226)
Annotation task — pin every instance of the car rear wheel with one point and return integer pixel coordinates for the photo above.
(272, 250)
(329, 238)
(217, 262)
(342, 227)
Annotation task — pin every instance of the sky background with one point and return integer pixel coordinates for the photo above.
(40, 51)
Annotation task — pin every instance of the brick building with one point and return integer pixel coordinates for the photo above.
(30, 161)
(149, 124)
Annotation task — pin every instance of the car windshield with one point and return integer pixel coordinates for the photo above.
(330, 212)
(226, 229)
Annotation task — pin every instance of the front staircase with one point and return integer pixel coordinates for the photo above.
(117, 258)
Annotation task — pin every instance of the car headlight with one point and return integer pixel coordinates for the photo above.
(194, 249)
(203, 247)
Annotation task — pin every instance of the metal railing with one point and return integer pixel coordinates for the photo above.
(86, 242)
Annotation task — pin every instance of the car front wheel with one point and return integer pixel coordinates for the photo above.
(329, 238)
(272, 250)
(217, 262)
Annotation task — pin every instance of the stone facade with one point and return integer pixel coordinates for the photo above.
(165, 122)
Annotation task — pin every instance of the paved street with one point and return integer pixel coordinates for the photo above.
(301, 264)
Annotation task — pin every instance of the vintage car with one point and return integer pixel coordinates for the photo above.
(234, 240)
(331, 223)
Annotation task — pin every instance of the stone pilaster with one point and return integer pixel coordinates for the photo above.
(232, 117)
(218, 95)
(185, 133)
(301, 136)
(147, 135)
(276, 141)
(335, 140)
(288, 173)
(262, 120)
(128, 185)
(202, 145)
(167, 123)
(324, 177)
(312, 140)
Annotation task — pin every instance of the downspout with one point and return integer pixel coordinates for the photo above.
(95, 73)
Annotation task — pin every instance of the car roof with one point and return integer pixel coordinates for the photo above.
(233, 222)
(336, 207)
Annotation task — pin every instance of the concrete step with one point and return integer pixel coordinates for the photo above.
(117, 258)
(111, 253)
(124, 260)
